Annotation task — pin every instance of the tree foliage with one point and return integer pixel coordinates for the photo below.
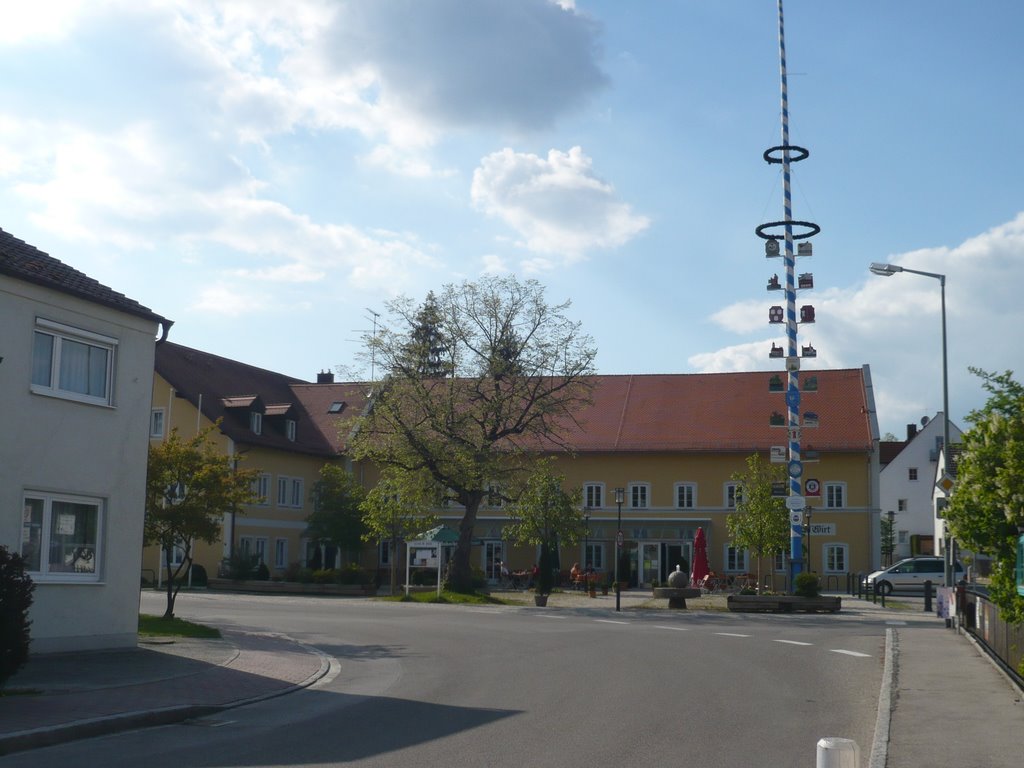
(987, 504)
(15, 600)
(545, 515)
(336, 517)
(189, 487)
(760, 522)
(516, 370)
(399, 507)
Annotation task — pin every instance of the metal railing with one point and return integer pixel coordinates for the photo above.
(1003, 641)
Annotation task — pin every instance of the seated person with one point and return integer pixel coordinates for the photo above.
(575, 576)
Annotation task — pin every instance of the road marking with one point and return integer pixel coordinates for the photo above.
(791, 642)
(851, 653)
(550, 616)
(484, 610)
(731, 634)
(610, 621)
(677, 629)
(896, 623)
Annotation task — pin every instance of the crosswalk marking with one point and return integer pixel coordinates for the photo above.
(858, 654)
(791, 642)
(731, 634)
(610, 621)
(676, 629)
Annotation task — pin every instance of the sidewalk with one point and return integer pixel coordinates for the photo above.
(943, 702)
(86, 694)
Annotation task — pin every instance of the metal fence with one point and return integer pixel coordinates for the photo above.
(1005, 642)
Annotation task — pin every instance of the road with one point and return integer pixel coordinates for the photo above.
(436, 685)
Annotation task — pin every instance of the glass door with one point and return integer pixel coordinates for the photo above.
(492, 561)
(650, 563)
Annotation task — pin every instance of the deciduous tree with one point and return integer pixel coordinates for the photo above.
(760, 522)
(517, 370)
(189, 487)
(336, 517)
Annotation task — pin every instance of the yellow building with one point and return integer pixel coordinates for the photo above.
(671, 442)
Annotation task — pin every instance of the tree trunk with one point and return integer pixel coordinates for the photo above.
(169, 612)
(462, 570)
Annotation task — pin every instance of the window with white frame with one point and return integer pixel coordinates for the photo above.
(901, 505)
(836, 558)
(835, 495)
(280, 553)
(261, 549)
(638, 495)
(779, 562)
(289, 429)
(72, 363)
(735, 559)
(593, 495)
(494, 496)
(261, 488)
(245, 547)
(686, 495)
(60, 536)
(156, 422)
(732, 495)
(289, 492)
(593, 555)
(256, 422)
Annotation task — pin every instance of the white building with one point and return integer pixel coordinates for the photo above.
(907, 483)
(76, 380)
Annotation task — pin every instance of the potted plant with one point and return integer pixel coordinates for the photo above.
(545, 515)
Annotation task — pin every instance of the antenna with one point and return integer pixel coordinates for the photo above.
(373, 349)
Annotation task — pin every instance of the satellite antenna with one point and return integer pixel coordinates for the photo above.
(924, 421)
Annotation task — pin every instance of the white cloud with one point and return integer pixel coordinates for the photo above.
(556, 204)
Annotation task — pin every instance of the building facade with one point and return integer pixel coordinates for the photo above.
(76, 379)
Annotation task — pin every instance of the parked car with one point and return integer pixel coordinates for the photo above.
(910, 575)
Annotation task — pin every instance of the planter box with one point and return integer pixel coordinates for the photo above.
(291, 588)
(784, 603)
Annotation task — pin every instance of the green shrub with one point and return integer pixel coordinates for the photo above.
(199, 576)
(423, 577)
(324, 576)
(353, 574)
(262, 572)
(241, 566)
(806, 584)
(15, 599)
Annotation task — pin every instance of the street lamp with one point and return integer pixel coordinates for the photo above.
(620, 496)
(586, 538)
(888, 270)
(890, 537)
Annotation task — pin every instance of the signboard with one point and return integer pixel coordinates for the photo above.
(778, 454)
(779, 489)
(812, 487)
(794, 517)
(795, 502)
(945, 483)
(795, 469)
(823, 529)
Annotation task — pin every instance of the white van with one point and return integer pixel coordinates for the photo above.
(911, 574)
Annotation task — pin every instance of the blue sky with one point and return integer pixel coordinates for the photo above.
(266, 174)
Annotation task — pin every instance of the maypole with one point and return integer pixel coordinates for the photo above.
(786, 154)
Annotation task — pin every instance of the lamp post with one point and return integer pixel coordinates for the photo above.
(888, 270)
(620, 496)
(586, 538)
(890, 536)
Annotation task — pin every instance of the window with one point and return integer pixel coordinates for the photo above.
(835, 558)
(638, 495)
(912, 473)
(68, 362)
(594, 556)
(732, 495)
(735, 559)
(901, 505)
(901, 537)
(593, 495)
(835, 495)
(289, 492)
(245, 546)
(384, 552)
(686, 495)
(60, 536)
(261, 488)
(280, 553)
(336, 407)
(156, 423)
(289, 429)
(493, 496)
(261, 550)
(779, 562)
(256, 423)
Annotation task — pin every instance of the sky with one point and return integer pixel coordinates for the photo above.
(269, 175)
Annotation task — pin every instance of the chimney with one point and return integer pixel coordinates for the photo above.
(327, 377)
(911, 431)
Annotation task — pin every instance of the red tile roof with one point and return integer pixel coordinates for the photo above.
(719, 412)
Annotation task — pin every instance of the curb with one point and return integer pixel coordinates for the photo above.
(880, 744)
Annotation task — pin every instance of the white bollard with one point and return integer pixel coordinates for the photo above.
(834, 752)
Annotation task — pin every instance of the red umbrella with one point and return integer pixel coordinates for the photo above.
(700, 559)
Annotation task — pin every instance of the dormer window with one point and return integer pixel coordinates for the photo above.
(289, 429)
(256, 422)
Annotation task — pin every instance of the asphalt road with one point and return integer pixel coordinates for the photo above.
(432, 685)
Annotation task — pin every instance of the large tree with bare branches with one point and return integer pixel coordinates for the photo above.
(518, 370)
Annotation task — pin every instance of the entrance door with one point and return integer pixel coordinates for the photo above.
(677, 554)
(650, 563)
(492, 560)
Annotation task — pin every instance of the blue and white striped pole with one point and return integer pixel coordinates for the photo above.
(792, 351)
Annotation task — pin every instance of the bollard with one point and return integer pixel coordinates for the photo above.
(882, 593)
(860, 580)
(874, 593)
(928, 596)
(834, 752)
